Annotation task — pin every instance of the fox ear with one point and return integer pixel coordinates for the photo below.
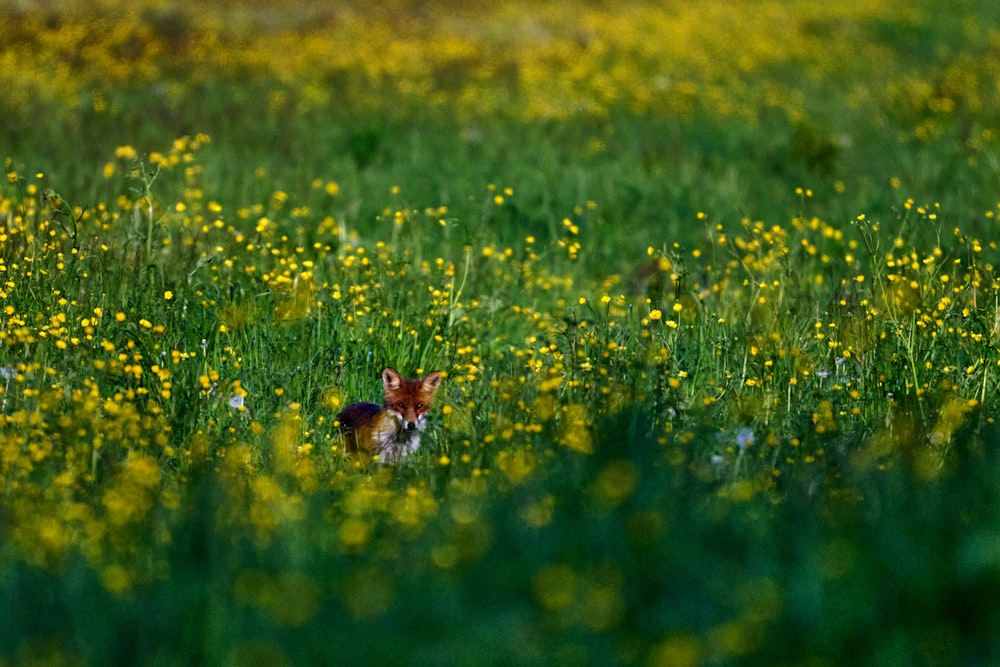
(432, 380)
(391, 380)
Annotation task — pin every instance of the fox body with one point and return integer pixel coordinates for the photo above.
(392, 430)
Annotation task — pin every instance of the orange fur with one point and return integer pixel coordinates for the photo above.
(390, 431)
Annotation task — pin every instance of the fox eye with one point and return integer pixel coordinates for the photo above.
(420, 406)
(401, 405)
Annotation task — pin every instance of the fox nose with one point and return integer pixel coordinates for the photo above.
(411, 426)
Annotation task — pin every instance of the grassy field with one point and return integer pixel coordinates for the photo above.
(713, 284)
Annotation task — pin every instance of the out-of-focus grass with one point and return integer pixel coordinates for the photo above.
(654, 112)
(714, 288)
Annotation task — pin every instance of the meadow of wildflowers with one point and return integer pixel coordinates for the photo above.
(714, 286)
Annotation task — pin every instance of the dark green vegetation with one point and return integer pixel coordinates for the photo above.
(714, 288)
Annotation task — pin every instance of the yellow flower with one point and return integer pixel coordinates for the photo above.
(655, 314)
(126, 153)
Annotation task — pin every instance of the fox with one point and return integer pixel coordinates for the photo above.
(390, 431)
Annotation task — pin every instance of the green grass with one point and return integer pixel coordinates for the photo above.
(721, 363)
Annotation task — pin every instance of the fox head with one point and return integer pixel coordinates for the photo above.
(408, 400)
